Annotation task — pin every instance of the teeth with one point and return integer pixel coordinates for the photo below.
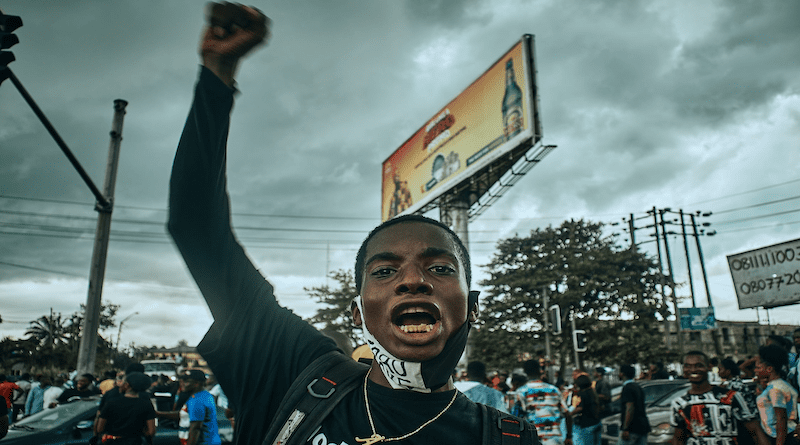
(413, 329)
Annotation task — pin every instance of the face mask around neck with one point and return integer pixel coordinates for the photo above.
(418, 376)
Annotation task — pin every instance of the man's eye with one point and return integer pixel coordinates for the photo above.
(382, 272)
(442, 269)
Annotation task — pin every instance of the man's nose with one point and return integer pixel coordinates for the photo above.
(413, 282)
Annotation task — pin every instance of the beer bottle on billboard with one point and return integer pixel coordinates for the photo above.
(512, 103)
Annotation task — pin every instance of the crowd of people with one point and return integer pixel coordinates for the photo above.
(752, 401)
(129, 402)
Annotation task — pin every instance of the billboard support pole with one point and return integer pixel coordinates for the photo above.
(456, 215)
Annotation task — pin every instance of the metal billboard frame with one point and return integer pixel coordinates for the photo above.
(484, 184)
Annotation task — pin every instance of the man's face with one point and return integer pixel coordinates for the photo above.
(191, 386)
(796, 338)
(763, 370)
(82, 383)
(120, 379)
(414, 290)
(724, 373)
(694, 369)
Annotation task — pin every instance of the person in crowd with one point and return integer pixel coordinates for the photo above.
(747, 368)
(220, 399)
(198, 416)
(20, 397)
(657, 372)
(729, 373)
(634, 424)
(109, 381)
(570, 396)
(476, 389)
(513, 403)
(544, 406)
(713, 372)
(3, 421)
(83, 388)
(777, 404)
(35, 401)
(793, 377)
(586, 416)
(412, 276)
(708, 414)
(119, 390)
(7, 389)
(603, 389)
(125, 419)
(52, 393)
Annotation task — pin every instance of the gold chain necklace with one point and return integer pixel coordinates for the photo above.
(375, 438)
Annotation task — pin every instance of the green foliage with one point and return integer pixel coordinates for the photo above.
(53, 341)
(335, 314)
(612, 291)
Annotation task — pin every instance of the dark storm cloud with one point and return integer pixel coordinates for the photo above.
(650, 103)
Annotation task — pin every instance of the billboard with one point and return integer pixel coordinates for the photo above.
(767, 277)
(697, 318)
(491, 117)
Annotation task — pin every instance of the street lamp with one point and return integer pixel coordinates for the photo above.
(119, 331)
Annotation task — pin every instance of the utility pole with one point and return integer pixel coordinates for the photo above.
(688, 263)
(663, 277)
(91, 321)
(700, 255)
(633, 233)
(671, 281)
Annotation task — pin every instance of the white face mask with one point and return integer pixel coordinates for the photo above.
(416, 376)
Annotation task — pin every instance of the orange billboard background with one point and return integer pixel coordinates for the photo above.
(459, 139)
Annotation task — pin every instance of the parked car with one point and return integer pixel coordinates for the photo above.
(658, 400)
(653, 390)
(71, 424)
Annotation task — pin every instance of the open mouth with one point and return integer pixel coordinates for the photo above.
(416, 319)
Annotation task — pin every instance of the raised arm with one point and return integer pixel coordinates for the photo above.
(199, 216)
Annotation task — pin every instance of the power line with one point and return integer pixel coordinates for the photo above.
(262, 215)
(756, 217)
(746, 192)
(41, 269)
(757, 205)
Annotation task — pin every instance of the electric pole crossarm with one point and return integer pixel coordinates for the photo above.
(102, 202)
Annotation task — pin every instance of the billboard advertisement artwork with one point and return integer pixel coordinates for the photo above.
(492, 116)
(767, 277)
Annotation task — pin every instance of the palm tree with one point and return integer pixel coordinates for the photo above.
(48, 330)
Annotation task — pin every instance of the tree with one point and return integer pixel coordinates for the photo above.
(335, 315)
(610, 290)
(58, 338)
(49, 330)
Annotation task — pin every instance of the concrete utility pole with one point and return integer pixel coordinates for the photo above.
(672, 283)
(91, 320)
(688, 263)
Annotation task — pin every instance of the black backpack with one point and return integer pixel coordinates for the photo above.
(320, 387)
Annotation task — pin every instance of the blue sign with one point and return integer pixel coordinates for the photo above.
(697, 318)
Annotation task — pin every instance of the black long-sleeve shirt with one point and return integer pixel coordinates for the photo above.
(256, 347)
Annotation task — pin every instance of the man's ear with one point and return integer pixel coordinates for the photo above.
(474, 309)
(356, 313)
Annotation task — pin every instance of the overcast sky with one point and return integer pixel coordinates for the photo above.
(681, 104)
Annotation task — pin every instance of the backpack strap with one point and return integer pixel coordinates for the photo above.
(504, 429)
(312, 396)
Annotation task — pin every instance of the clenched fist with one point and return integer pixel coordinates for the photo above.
(233, 31)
